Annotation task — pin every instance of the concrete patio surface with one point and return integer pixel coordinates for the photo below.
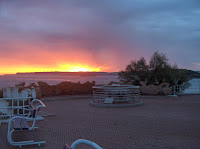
(161, 123)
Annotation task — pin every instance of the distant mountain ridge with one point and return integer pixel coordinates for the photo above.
(71, 73)
(191, 74)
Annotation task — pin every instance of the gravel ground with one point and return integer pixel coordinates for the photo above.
(161, 123)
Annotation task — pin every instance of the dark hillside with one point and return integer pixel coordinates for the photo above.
(191, 74)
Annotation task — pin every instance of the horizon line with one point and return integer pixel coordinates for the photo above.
(57, 72)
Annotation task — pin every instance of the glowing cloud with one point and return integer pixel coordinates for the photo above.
(62, 35)
(61, 68)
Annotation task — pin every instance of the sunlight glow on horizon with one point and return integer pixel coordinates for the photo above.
(79, 68)
(59, 68)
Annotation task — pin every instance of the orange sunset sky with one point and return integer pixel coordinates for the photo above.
(48, 35)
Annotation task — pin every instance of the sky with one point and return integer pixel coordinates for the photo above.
(91, 35)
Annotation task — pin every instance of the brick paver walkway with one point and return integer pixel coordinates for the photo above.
(161, 123)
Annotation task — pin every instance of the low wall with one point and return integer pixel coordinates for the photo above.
(66, 88)
(44, 89)
(162, 89)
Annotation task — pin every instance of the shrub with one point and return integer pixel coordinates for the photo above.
(157, 72)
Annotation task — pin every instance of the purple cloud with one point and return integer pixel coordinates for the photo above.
(107, 32)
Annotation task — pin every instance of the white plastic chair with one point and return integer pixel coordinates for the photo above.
(19, 123)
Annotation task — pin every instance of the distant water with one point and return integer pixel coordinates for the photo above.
(11, 80)
(194, 87)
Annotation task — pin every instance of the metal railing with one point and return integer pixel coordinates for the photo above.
(10, 107)
(119, 93)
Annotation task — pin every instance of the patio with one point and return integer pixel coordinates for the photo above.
(162, 122)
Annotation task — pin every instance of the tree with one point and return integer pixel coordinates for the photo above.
(136, 71)
(157, 72)
(158, 61)
(159, 69)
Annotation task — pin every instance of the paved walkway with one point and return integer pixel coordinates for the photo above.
(161, 123)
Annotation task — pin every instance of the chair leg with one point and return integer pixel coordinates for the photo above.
(21, 143)
(16, 143)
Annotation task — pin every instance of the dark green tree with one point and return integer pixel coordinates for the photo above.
(157, 72)
(159, 69)
(136, 71)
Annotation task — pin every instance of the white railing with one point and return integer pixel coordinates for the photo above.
(119, 93)
(10, 107)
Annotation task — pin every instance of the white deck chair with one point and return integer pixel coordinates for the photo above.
(19, 123)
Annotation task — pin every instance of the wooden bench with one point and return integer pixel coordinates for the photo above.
(19, 123)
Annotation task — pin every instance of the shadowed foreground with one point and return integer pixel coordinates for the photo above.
(162, 122)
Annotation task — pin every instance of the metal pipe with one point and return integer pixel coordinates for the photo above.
(80, 141)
